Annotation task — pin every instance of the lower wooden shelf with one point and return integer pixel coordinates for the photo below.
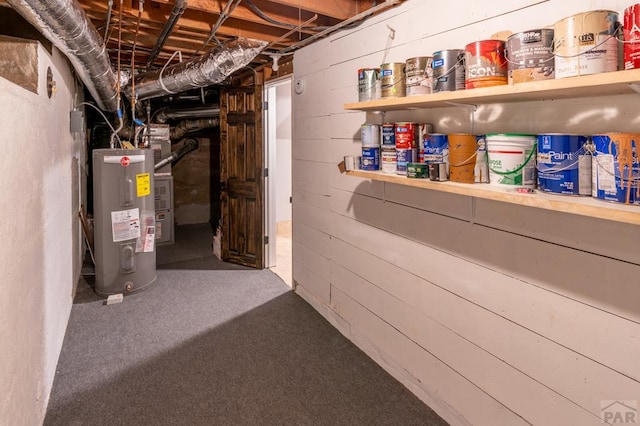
(583, 206)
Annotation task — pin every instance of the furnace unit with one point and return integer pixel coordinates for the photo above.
(124, 220)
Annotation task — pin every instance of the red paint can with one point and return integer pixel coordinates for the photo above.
(631, 31)
(407, 135)
(485, 64)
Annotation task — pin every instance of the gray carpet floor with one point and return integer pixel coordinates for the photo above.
(218, 347)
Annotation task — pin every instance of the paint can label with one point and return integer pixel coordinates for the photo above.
(616, 164)
(586, 43)
(370, 159)
(405, 156)
(389, 135)
(530, 56)
(485, 64)
(407, 135)
(389, 160)
(563, 164)
(632, 37)
(417, 170)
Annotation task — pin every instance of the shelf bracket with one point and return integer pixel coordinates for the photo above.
(472, 113)
(635, 87)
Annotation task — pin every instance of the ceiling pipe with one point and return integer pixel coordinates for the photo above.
(178, 9)
(189, 126)
(171, 113)
(66, 25)
(211, 68)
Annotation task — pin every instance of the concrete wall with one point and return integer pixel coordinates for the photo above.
(490, 313)
(43, 165)
(192, 182)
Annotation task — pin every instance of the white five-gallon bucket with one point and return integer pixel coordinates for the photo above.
(512, 160)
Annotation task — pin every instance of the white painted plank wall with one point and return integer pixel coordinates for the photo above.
(490, 313)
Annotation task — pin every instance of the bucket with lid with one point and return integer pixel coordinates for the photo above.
(616, 167)
(512, 160)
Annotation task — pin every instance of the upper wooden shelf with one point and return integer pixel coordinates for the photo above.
(610, 83)
(583, 206)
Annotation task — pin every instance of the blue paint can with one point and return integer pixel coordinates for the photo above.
(405, 156)
(616, 174)
(564, 164)
(389, 135)
(436, 148)
(370, 159)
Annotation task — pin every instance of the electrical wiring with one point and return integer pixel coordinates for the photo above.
(106, 120)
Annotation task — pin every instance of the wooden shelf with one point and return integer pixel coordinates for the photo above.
(583, 206)
(603, 84)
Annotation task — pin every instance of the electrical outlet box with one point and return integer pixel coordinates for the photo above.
(76, 124)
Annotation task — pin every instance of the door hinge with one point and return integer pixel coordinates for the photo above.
(290, 200)
(265, 105)
(266, 239)
(266, 172)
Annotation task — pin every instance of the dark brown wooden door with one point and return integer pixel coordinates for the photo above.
(242, 175)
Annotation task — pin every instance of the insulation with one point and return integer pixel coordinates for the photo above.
(213, 67)
(66, 25)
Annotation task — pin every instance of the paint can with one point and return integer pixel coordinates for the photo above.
(462, 157)
(632, 37)
(405, 156)
(448, 70)
(530, 56)
(616, 167)
(389, 160)
(392, 84)
(586, 43)
(424, 130)
(485, 64)
(419, 75)
(512, 160)
(436, 148)
(370, 135)
(368, 84)
(351, 162)
(389, 135)
(407, 135)
(417, 171)
(564, 165)
(438, 172)
(370, 159)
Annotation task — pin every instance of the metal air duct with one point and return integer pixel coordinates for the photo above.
(213, 67)
(66, 25)
(188, 126)
(171, 113)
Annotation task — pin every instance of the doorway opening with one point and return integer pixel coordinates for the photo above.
(278, 132)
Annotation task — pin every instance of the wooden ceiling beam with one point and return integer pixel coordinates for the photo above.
(338, 9)
(287, 16)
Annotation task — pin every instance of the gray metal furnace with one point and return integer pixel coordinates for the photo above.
(124, 220)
